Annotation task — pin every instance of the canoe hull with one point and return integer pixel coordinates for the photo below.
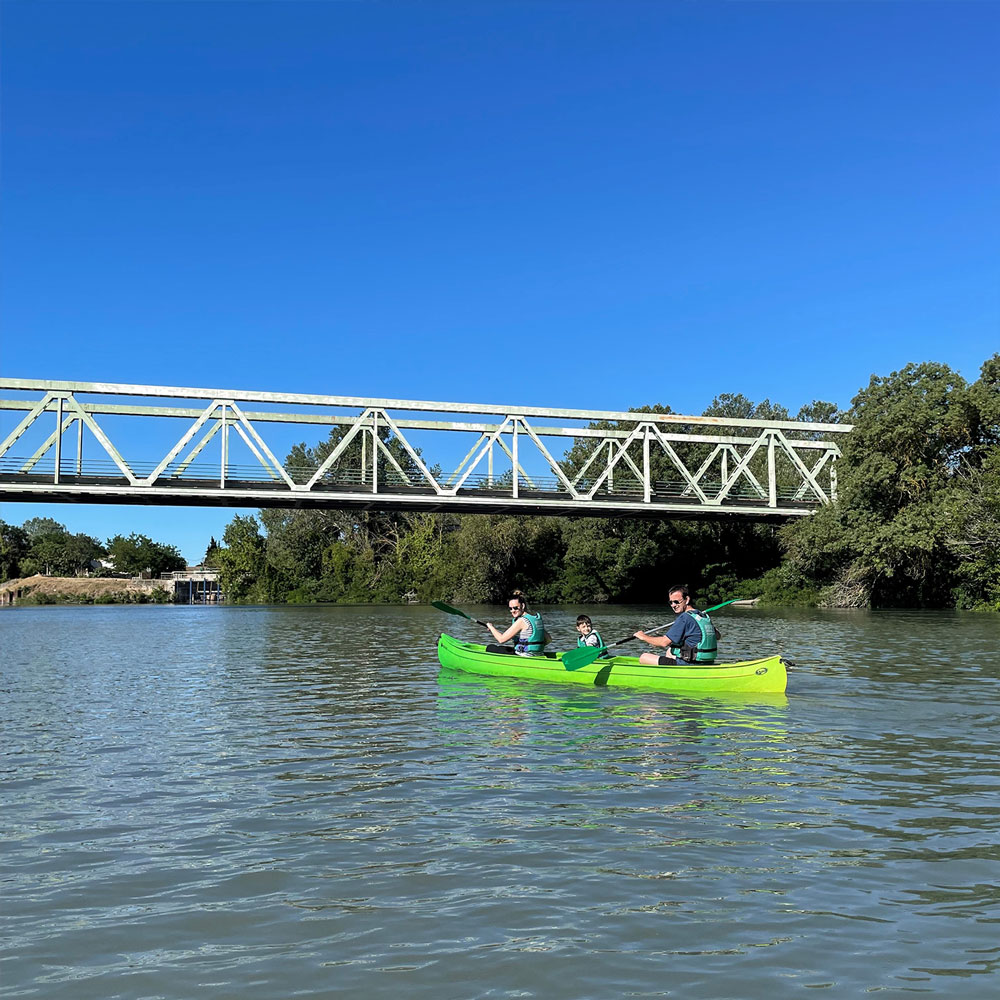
(764, 676)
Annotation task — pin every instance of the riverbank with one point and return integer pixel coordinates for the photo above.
(40, 589)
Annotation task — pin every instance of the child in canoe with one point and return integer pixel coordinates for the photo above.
(589, 636)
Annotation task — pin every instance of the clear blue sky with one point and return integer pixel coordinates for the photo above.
(589, 203)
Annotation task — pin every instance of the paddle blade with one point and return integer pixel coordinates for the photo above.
(582, 656)
(449, 610)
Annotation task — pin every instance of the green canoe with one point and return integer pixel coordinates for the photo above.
(765, 676)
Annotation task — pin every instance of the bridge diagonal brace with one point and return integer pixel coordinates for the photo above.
(105, 442)
(681, 467)
(636, 434)
(468, 455)
(724, 450)
(786, 446)
(197, 450)
(594, 455)
(743, 468)
(627, 459)
(381, 446)
(520, 468)
(327, 463)
(182, 443)
(244, 424)
(412, 452)
(491, 439)
(815, 471)
(49, 442)
(624, 456)
(703, 468)
(238, 427)
(754, 481)
(25, 422)
(553, 464)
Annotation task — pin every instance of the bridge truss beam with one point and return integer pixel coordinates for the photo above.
(530, 459)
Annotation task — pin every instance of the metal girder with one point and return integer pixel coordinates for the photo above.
(655, 464)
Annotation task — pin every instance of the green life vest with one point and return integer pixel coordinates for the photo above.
(707, 646)
(582, 641)
(534, 643)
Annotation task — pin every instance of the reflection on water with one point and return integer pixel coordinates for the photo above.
(263, 802)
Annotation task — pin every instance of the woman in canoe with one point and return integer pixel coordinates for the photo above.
(526, 627)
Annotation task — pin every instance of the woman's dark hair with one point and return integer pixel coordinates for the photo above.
(518, 596)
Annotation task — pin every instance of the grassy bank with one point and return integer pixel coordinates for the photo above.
(40, 589)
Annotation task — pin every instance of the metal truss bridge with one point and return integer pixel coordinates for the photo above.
(95, 442)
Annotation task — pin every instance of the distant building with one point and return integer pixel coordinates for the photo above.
(195, 585)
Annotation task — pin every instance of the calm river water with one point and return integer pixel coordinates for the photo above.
(296, 802)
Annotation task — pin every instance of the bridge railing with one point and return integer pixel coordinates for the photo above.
(80, 441)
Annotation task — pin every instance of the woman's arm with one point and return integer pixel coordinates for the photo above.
(515, 627)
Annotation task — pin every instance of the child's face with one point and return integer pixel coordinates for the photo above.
(584, 629)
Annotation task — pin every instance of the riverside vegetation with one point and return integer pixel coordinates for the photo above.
(42, 549)
(917, 524)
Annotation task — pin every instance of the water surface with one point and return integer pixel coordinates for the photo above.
(279, 802)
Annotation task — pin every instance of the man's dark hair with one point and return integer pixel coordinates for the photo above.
(682, 588)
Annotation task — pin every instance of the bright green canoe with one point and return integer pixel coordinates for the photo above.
(766, 676)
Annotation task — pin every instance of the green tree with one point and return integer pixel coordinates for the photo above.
(975, 542)
(52, 550)
(821, 412)
(137, 553)
(419, 560)
(296, 540)
(211, 557)
(887, 541)
(14, 547)
(36, 527)
(244, 573)
(496, 553)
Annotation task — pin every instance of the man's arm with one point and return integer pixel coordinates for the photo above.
(654, 640)
(673, 636)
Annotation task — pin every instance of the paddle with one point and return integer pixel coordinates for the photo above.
(583, 656)
(449, 610)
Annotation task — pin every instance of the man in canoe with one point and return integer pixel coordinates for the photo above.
(526, 626)
(691, 639)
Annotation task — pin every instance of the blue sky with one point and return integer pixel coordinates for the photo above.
(560, 202)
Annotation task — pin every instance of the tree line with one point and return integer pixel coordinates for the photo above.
(917, 523)
(43, 545)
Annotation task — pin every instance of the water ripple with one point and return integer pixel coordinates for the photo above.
(296, 802)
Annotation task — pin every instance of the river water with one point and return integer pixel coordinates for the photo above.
(295, 802)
